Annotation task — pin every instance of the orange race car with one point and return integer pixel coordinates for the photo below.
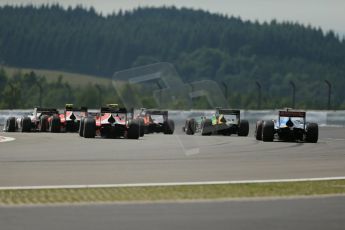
(156, 121)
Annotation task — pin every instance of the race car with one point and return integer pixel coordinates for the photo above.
(290, 126)
(110, 122)
(70, 118)
(223, 122)
(156, 121)
(41, 120)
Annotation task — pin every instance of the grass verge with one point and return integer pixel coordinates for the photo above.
(74, 79)
(170, 193)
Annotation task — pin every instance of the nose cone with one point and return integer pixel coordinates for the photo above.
(111, 119)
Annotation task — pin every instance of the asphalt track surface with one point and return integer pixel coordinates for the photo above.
(38, 159)
(302, 213)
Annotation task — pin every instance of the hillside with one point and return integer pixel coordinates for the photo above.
(201, 46)
(73, 79)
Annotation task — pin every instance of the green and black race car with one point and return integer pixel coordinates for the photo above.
(222, 122)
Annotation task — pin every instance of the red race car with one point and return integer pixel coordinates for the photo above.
(70, 119)
(110, 122)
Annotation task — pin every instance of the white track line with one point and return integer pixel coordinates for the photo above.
(170, 184)
(6, 139)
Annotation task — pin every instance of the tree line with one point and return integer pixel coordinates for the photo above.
(28, 90)
(201, 45)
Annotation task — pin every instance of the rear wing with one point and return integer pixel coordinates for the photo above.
(113, 110)
(229, 111)
(69, 107)
(157, 112)
(46, 110)
(292, 114)
(128, 113)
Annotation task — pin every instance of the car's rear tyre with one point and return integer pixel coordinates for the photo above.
(141, 127)
(133, 131)
(206, 127)
(89, 127)
(312, 134)
(268, 131)
(81, 127)
(258, 130)
(44, 124)
(169, 127)
(190, 126)
(55, 124)
(26, 124)
(243, 129)
(10, 124)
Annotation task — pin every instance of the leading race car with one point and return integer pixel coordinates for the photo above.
(223, 122)
(110, 122)
(290, 126)
(40, 120)
(156, 121)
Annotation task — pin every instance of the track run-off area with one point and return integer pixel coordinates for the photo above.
(45, 159)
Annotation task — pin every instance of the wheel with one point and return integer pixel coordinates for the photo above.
(141, 127)
(81, 127)
(206, 127)
(312, 134)
(26, 124)
(133, 131)
(169, 127)
(10, 124)
(55, 124)
(190, 126)
(258, 130)
(243, 129)
(43, 125)
(268, 131)
(89, 127)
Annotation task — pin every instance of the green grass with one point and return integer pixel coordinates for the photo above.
(171, 193)
(73, 79)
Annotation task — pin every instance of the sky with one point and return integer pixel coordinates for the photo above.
(327, 14)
